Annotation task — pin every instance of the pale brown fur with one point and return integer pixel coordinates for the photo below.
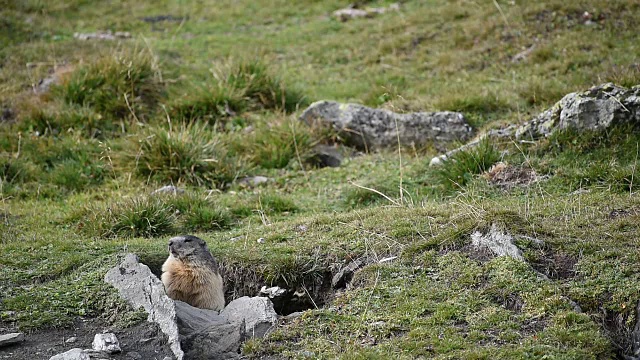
(190, 274)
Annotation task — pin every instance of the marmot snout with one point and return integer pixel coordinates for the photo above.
(191, 274)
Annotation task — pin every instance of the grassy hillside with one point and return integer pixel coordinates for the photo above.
(203, 94)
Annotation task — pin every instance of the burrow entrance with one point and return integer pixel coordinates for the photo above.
(310, 292)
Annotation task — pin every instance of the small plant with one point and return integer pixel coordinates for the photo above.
(192, 154)
(459, 169)
(116, 86)
(137, 217)
(14, 171)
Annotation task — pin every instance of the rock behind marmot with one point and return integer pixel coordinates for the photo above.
(191, 274)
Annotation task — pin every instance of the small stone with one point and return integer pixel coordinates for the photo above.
(106, 342)
(387, 259)
(253, 181)
(498, 242)
(71, 340)
(10, 339)
(260, 240)
(168, 189)
(272, 292)
(73, 354)
(342, 277)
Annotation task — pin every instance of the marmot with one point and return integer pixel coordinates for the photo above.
(191, 274)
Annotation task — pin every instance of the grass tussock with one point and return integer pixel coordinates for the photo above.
(123, 85)
(274, 145)
(461, 167)
(136, 217)
(57, 120)
(190, 154)
(153, 216)
(275, 204)
(237, 87)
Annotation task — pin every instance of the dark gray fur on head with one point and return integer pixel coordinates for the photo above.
(191, 249)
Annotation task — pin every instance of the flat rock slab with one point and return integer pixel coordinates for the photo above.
(10, 339)
(257, 313)
(73, 354)
(141, 288)
(369, 129)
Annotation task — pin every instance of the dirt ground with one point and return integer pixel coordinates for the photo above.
(143, 341)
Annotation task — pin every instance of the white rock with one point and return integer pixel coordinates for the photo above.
(9, 339)
(106, 342)
(499, 243)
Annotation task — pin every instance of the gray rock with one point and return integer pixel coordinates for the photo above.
(10, 339)
(168, 190)
(208, 335)
(106, 342)
(491, 134)
(71, 340)
(635, 334)
(253, 181)
(326, 156)
(256, 312)
(102, 35)
(140, 288)
(73, 354)
(342, 277)
(498, 242)
(217, 342)
(597, 108)
(369, 129)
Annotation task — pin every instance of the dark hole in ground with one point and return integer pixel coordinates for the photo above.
(555, 265)
(621, 334)
(313, 291)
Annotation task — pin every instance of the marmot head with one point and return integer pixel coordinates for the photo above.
(189, 248)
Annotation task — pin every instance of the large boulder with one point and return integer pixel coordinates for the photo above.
(370, 129)
(141, 288)
(208, 335)
(595, 109)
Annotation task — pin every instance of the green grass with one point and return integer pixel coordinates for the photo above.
(203, 102)
(458, 170)
(192, 154)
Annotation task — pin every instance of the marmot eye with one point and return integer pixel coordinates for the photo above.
(187, 240)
